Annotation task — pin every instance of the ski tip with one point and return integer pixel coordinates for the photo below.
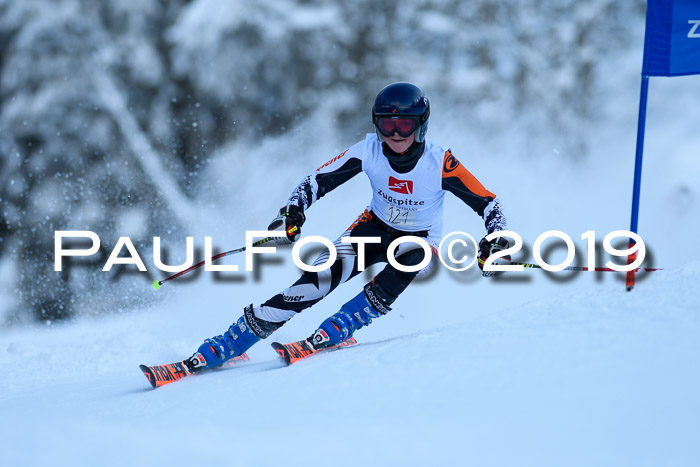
(149, 375)
(282, 352)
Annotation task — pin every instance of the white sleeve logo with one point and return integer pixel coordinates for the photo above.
(693, 34)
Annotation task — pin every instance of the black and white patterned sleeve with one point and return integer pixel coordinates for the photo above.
(303, 194)
(493, 216)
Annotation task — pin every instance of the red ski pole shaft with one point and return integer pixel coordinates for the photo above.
(582, 268)
(157, 283)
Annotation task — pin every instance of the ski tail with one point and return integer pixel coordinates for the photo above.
(295, 351)
(160, 375)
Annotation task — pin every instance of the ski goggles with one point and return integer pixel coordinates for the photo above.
(404, 126)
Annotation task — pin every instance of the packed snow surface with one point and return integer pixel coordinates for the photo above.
(585, 377)
(531, 369)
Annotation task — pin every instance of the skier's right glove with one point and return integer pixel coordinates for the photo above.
(290, 218)
(487, 248)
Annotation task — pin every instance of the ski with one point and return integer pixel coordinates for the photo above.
(160, 375)
(295, 351)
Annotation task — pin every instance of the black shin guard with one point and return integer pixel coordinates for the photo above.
(260, 327)
(378, 297)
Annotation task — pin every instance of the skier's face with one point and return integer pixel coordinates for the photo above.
(398, 143)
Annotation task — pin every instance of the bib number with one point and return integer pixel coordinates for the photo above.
(397, 216)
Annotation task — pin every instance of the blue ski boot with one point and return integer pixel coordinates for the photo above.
(237, 340)
(354, 315)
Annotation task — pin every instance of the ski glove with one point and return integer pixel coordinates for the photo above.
(290, 218)
(487, 248)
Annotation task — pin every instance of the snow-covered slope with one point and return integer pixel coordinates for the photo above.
(587, 377)
(527, 370)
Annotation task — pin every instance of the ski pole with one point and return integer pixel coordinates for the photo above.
(157, 283)
(582, 268)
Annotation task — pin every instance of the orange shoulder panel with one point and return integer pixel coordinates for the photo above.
(452, 168)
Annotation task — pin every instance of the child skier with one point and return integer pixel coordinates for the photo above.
(409, 176)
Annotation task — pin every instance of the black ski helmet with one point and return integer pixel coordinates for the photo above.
(402, 100)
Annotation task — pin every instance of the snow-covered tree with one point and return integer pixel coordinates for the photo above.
(110, 110)
(81, 157)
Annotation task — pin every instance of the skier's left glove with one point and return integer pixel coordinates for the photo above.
(487, 248)
(290, 218)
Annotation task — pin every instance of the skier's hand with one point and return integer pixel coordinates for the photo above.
(290, 219)
(487, 248)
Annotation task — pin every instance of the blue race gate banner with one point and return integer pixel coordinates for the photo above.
(672, 40)
(671, 48)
